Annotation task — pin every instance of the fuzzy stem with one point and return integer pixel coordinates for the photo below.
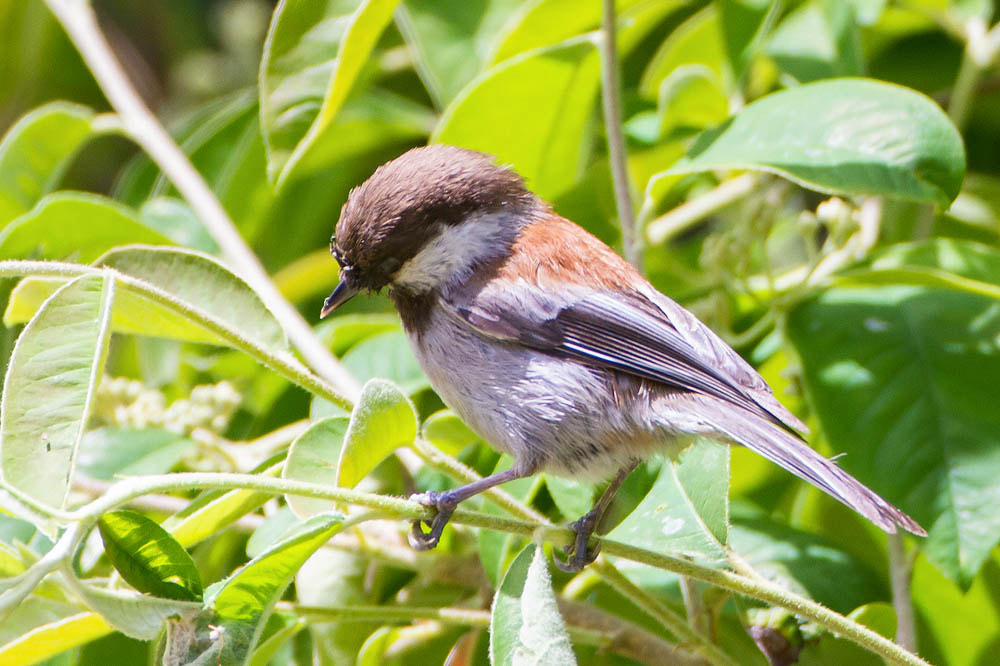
(660, 612)
(127, 490)
(78, 20)
(282, 363)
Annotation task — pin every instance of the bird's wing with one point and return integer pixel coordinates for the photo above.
(625, 331)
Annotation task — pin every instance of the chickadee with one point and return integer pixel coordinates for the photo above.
(548, 344)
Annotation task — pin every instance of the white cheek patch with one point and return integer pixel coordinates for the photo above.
(453, 252)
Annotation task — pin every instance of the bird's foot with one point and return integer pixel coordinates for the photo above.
(445, 505)
(579, 553)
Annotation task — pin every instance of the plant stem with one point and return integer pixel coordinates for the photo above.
(690, 212)
(280, 362)
(900, 570)
(78, 20)
(975, 58)
(442, 462)
(660, 612)
(611, 99)
(127, 490)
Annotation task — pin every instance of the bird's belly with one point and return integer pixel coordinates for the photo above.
(549, 413)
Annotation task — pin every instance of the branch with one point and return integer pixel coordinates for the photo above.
(78, 20)
(129, 489)
(611, 99)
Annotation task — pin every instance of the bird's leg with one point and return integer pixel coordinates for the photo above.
(578, 553)
(446, 502)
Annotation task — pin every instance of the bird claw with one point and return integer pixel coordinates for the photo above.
(440, 502)
(579, 553)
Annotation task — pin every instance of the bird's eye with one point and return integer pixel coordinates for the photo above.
(333, 244)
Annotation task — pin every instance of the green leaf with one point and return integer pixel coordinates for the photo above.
(35, 151)
(833, 649)
(148, 558)
(446, 431)
(49, 389)
(313, 457)
(224, 143)
(691, 98)
(313, 55)
(803, 562)
(819, 40)
(243, 602)
(451, 39)
(687, 509)
(75, 224)
(697, 41)
(383, 420)
(744, 24)
(174, 219)
(54, 636)
(548, 22)
(548, 95)
(196, 279)
(110, 452)
(268, 647)
(205, 283)
(898, 376)
(212, 511)
(135, 615)
(387, 356)
(342, 332)
(526, 627)
(875, 138)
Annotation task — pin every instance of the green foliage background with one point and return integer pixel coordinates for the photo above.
(819, 181)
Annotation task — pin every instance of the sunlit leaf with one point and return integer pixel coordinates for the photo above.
(54, 638)
(383, 420)
(526, 627)
(548, 22)
(136, 615)
(313, 457)
(106, 453)
(35, 152)
(148, 558)
(313, 55)
(842, 136)
(50, 385)
(240, 605)
(386, 356)
(215, 510)
(193, 278)
(77, 225)
(532, 110)
(687, 509)
(448, 432)
(697, 41)
(452, 39)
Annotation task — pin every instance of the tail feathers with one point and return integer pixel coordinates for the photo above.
(786, 449)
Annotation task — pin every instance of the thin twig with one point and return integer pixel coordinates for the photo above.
(900, 570)
(690, 212)
(78, 20)
(124, 491)
(611, 101)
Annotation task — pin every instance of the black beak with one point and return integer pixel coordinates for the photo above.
(343, 293)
